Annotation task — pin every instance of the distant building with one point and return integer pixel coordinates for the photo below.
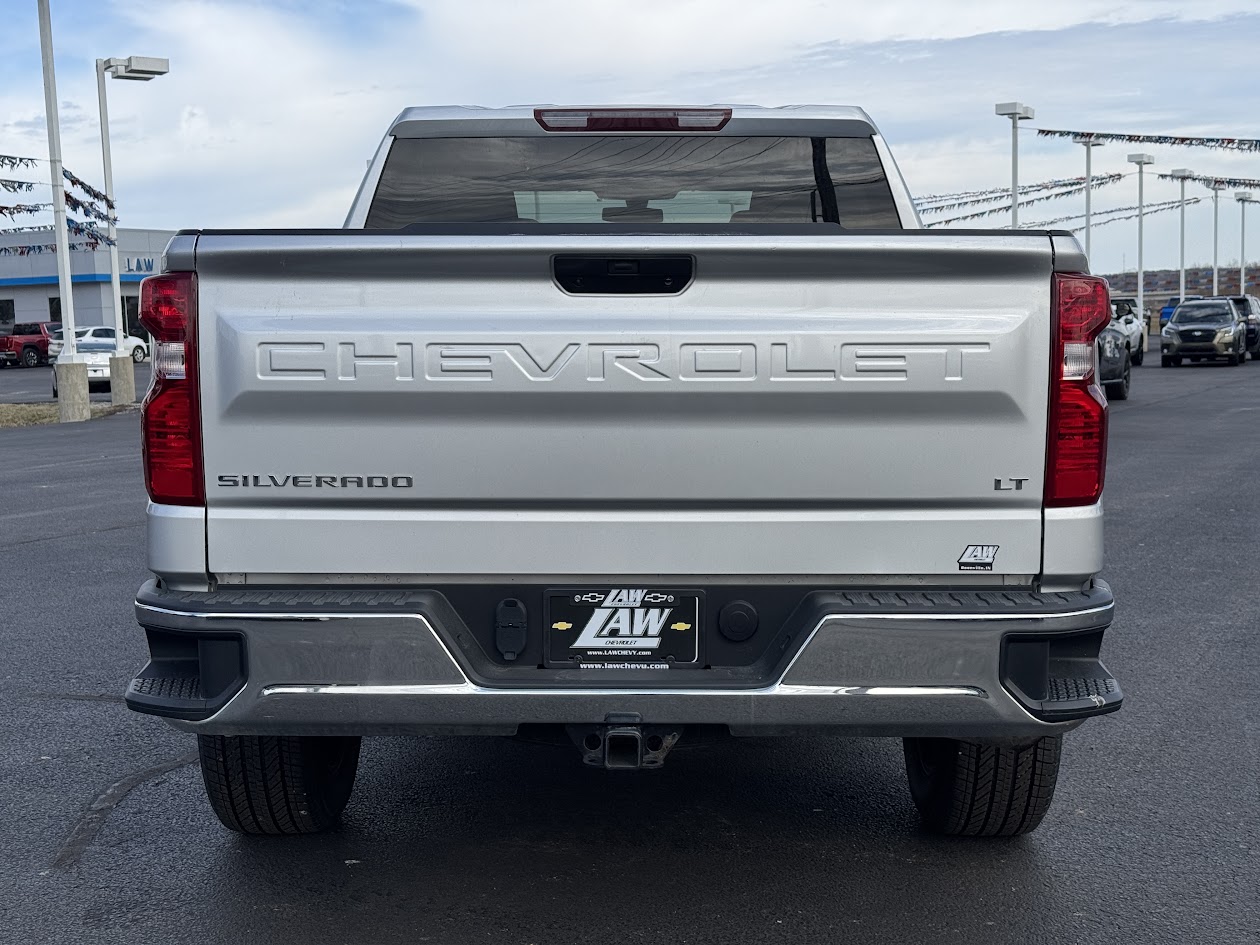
(28, 284)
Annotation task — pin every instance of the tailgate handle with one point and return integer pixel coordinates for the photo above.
(623, 275)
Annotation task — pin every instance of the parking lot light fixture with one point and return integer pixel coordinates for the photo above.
(1181, 175)
(136, 69)
(1243, 197)
(1016, 112)
(1090, 142)
(1141, 159)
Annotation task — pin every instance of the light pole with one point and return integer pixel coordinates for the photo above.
(1089, 143)
(135, 68)
(1216, 187)
(1181, 174)
(1141, 160)
(1016, 112)
(1243, 197)
(71, 377)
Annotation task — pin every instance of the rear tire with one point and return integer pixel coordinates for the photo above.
(278, 784)
(30, 357)
(1139, 356)
(967, 790)
(137, 354)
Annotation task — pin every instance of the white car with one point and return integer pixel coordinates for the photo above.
(138, 347)
(96, 355)
(1125, 320)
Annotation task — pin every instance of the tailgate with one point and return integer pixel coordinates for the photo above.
(385, 404)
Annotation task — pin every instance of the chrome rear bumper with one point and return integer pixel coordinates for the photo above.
(887, 671)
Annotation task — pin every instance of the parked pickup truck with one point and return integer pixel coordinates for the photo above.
(28, 345)
(629, 426)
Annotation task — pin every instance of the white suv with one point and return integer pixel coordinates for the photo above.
(138, 347)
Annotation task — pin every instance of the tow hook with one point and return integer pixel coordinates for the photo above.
(622, 743)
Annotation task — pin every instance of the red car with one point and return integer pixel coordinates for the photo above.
(28, 345)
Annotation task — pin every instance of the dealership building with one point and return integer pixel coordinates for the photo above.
(28, 283)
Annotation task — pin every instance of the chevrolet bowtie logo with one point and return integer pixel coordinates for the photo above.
(561, 625)
(680, 626)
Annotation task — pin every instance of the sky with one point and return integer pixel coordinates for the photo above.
(272, 107)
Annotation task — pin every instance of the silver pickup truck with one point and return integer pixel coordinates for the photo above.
(625, 426)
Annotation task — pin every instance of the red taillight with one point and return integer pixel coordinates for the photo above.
(171, 415)
(1076, 451)
(632, 119)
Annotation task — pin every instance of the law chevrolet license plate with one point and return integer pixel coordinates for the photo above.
(646, 628)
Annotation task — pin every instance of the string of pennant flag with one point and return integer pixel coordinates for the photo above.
(38, 249)
(1228, 183)
(1003, 208)
(1101, 180)
(1149, 208)
(87, 189)
(1145, 212)
(1000, 192)
(1185, 141)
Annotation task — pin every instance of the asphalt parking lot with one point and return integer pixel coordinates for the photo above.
(1153, 836)
(34, 385)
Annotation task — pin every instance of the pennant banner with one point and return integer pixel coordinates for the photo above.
(91, 232)
(1147, 212)
(1023, 203)
(19, 208)
(1079, 182)
(1227, 183)
(1149, 208)
(1000, 192)
(8, 162)
(39, 249)
(1186, 141)
(87, 189)
(24, 229)
(89, 209)
(16, 186)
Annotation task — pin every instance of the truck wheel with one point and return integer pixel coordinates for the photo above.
(967, 790)
(1139, 356)
(30, 357)
(1119, 390)
(278, 784)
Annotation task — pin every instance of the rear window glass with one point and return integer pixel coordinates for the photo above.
(639, 179)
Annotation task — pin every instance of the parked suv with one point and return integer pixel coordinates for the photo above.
(1249, 308)
(1204, 330)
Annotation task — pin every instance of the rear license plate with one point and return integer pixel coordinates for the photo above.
(624, 628)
